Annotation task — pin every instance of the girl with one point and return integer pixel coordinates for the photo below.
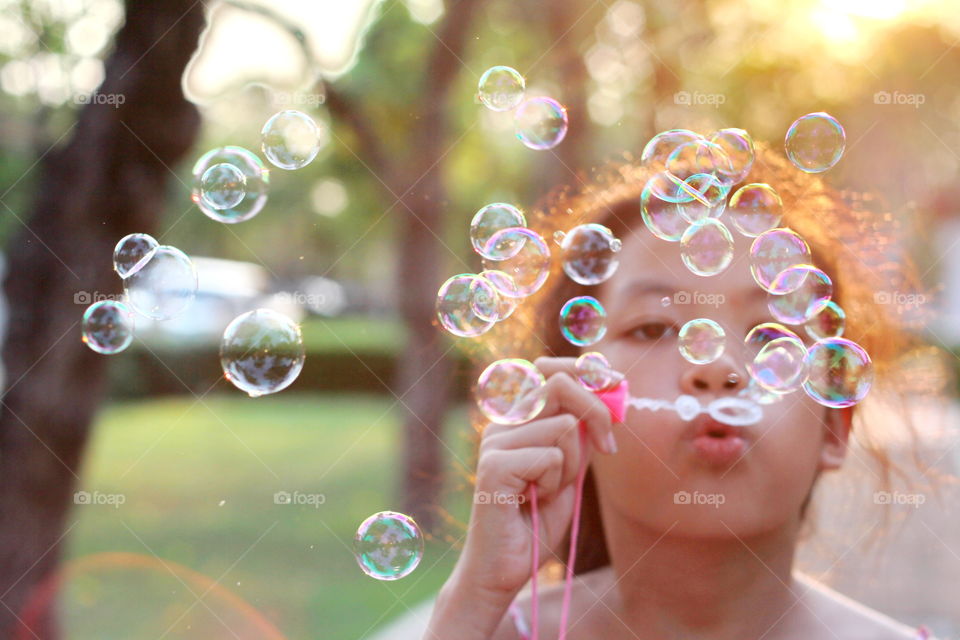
(688, 530)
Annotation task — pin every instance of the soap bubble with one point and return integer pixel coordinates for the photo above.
(456, 309)
(490, 219)
(507, 292)
(290, 139)
(589, 253)
(661, 216)
(774, 251)
(706, 247)
(484, 299)
(701, 341)
(799, 293)
(262, 352)
(132, 252)
(222, 186)
(709, 204)
(107, 326)
(698, 156)
(738, 145)
(764, 333)
(388, 545)
(583, 321)
(529, 266)
(595, 373)
(655, 155)
(541, 123)
(755, 208)
(815, 142)
(758, 394)
(841, 372)
(164, 287)
(665, 301)
(828, 323)
(511, 391)
(780, 366)
(501, 88)
(256, 178)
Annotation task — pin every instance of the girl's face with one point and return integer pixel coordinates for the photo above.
(664, 473)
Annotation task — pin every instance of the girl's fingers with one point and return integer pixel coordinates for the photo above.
(566, 395)
(558, 431)
(512, 470)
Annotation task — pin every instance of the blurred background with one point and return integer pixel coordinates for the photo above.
(142, 496)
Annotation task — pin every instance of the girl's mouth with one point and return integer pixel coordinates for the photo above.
(715, 442)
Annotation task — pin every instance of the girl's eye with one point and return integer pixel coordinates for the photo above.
(653, 330)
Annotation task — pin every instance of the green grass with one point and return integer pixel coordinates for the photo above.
(198, 481)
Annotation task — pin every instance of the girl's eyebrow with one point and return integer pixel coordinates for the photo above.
(647, 286)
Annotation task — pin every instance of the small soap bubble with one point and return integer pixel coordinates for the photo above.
(754, 209)
(490, 219)
(507, 292)
(840, 372)
(511, 391)
(132, 252)
(164, 287)
(738, 145)
(655, 155)
(661, 216)
(541, 123)
(388, 545)
(501, 88)
(711, 199)
(697, 156)
(829, 323)
(706, 247)
(107, 326)
(774, 251)
(589, 253)
(799, 293)
(256, 179)
(290, 139)
(665, 301)
(456, 308)
(583, 321)
(780, 366)
(529, 266)
(815, 142)
(223, 186)
(262, 352)
(595, 373)
(701, 341)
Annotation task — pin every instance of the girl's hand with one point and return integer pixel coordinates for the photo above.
(546, 452)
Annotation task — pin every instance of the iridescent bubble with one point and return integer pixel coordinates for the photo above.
(799, 293)
(541, 123)
(595, 373)
(841, 372)
(164, 287)
(661, 216)
(815, 142)
(755, 208)
(490, 219)
(511, 391)
(665, 301)
(507, 292)
(529, 266)
(829, 323)
(701, 341)
(484, 299)
(738, 145)
(583, 321)
(774, 251)
(256, 183)
(762, 334)
(706, 247)
(711, 200)
(780, 366)
(589, 253)
(290, 139)
(132, 252)
(388, 545)
(262, 352)
(698, 156)
(501, 88)
(456, 309)
(655, 155)
(107, 326)
(758, 394)
(222, 186)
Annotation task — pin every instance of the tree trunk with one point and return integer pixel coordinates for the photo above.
(107, 181)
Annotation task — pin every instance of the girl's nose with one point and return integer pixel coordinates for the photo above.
(715, 377)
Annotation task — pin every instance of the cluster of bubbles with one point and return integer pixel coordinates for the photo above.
(540, 122)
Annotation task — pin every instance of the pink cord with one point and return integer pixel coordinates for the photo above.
(575, 529)
(534, 608)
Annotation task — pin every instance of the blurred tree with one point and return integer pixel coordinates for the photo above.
(108, 180)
